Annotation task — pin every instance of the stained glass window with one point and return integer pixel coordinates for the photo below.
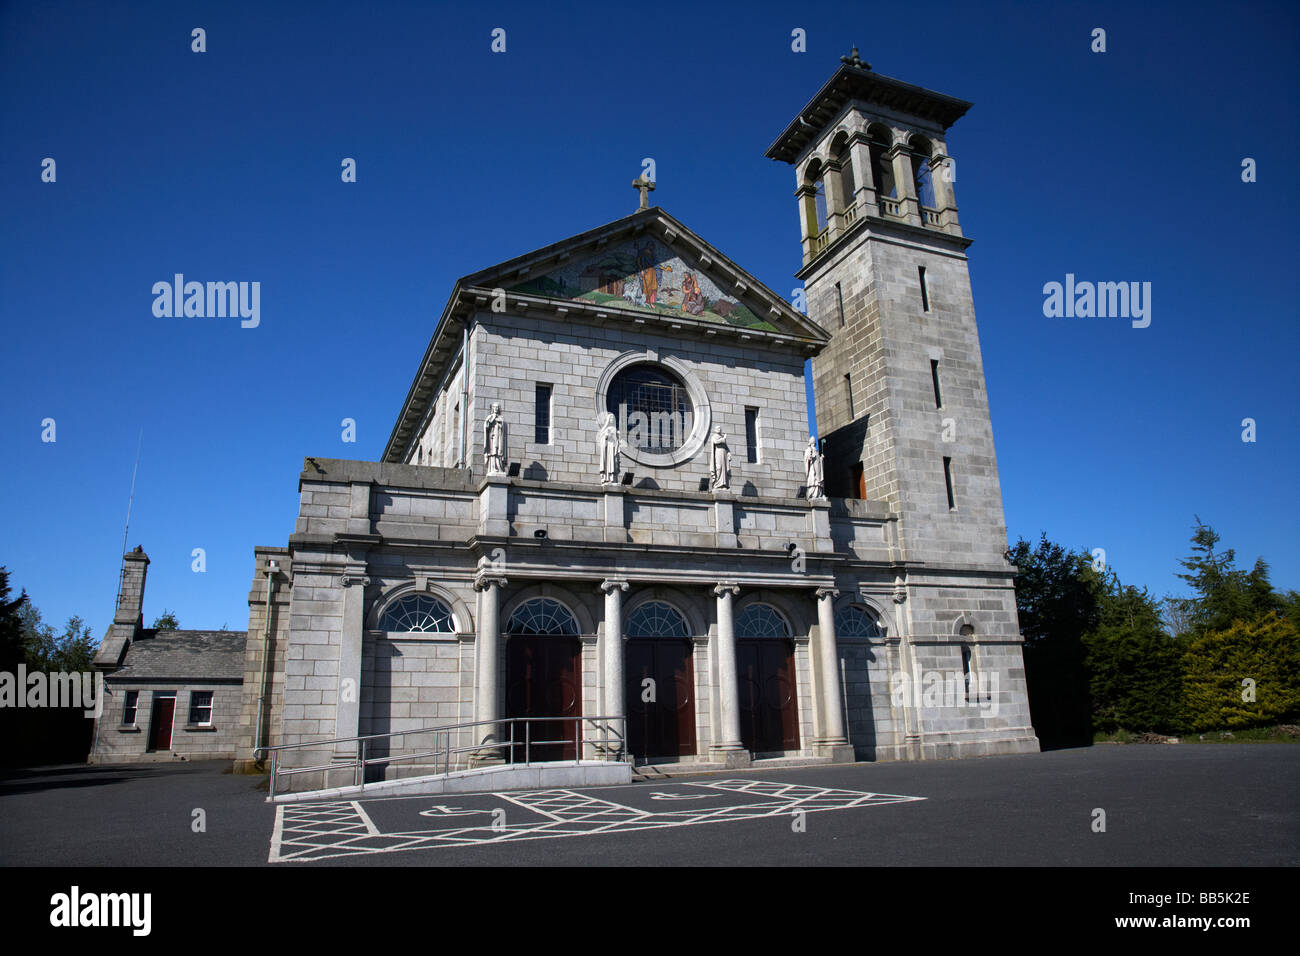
(857, 621)
(656, 619)
(543, 616)
(418, 614)
(761, 620)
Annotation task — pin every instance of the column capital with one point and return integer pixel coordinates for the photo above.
(610, 584)
(726, 587)
(831, 593)
(485, 581)
(349, 578)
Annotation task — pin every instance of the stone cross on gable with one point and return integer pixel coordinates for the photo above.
(646, 187)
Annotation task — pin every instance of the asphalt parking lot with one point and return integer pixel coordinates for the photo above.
(1230, 805)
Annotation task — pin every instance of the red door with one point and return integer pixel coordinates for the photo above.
(769, 715)
(544, 679)
(665, 725)
(160, 723)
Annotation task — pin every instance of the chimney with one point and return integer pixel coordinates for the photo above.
(129, 618)
(130, 595)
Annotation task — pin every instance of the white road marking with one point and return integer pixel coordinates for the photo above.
(327, 830)
(365, 818)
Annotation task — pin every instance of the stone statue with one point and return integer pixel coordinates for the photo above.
(720, 465)
(608, 444)
(813, 464)
(494, 442)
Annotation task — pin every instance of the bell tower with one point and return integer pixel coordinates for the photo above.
(900, 395)
(901, 402)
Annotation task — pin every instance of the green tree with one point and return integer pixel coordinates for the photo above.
(1058, 601)
(1135, 669)
(166, 621)
(1224, 593)
(75, 648)
(12, 644)
(1263, 653)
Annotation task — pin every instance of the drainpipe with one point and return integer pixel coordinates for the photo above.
(271, 568)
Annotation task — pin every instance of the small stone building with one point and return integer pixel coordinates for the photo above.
(168, 694)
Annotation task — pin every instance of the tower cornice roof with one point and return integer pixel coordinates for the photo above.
(857, 83)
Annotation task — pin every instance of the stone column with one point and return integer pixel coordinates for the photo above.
(833, 742)
(945, 197)
(900, 159)
(348, 705)
(836, 201)
(727, 745)
(864, 177)
(615, 704)
(804, 193)
(487, 699)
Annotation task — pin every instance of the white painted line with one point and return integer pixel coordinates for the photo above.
(518, 803)
(276, 836)
(365, 818)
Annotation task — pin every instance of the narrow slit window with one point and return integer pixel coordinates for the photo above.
(947, 480)
(542, 428)
(965, 668)
(129, 705)
(848, 388)
(839, 301)
(925, 292)
(751, 433)
(934, 377)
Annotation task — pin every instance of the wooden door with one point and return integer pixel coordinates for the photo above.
(544, 679)
(859, 482)
(664, 726)
(160, 723)
(769, 713)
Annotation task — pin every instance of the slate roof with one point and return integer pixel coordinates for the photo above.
(192, 657)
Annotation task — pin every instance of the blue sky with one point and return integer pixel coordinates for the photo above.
(225, 166)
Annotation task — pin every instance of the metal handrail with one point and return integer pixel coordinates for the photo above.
(358, 764)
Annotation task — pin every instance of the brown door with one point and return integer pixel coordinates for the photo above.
(664, 726)
(544, 679)
(859, 482)
(769, 715)
(160, 723)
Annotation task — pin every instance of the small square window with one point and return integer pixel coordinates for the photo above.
(201, 708)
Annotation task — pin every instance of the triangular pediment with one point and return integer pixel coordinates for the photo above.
(642, 268)
(649, 264)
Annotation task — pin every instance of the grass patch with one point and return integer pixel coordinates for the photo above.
(1280, 734)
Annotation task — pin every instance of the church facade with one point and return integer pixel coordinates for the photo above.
(600, 500)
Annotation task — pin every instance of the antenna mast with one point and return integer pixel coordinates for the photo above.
(127, 527)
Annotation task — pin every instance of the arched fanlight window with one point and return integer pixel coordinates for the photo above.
(761, 620)
(656, 619)
(418, 614)
(857, 621)
(543, 616)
